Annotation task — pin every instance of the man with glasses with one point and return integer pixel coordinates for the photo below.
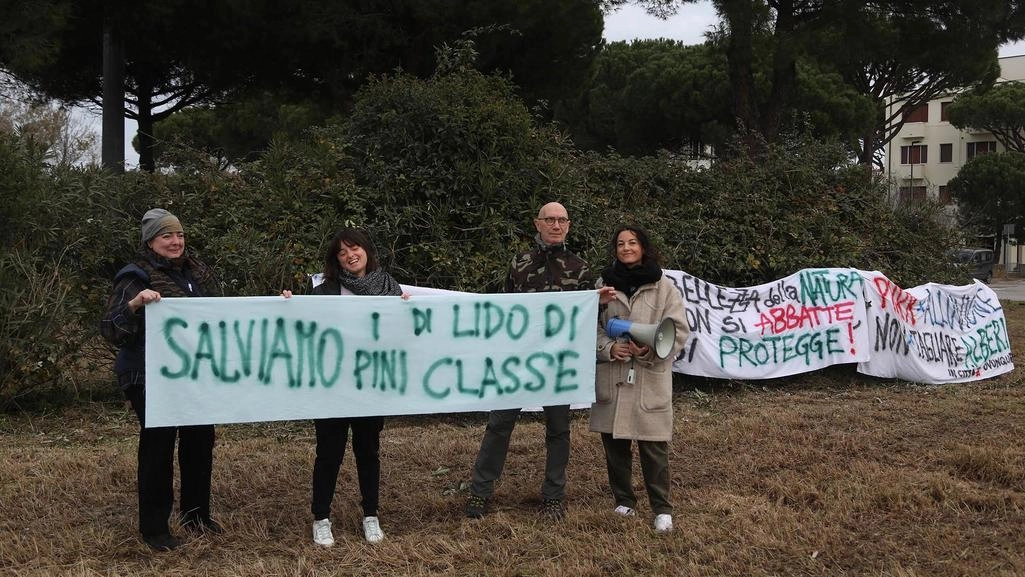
(548, 267)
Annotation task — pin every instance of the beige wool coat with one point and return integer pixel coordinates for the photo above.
(642, 410)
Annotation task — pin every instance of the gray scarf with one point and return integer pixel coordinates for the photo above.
(376, 283)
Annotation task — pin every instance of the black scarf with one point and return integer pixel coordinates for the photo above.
(628, 280)
(377, 283)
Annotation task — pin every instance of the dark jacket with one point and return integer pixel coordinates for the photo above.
(126, 330)
(329, 287)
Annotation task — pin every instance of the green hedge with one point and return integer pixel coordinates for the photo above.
(447, 173)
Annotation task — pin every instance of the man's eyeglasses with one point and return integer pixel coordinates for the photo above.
(551, 220)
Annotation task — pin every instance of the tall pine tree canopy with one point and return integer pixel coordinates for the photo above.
(183, 53)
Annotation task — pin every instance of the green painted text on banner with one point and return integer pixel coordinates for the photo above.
(229, 360)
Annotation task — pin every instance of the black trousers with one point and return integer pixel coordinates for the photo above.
(332, 436)
(156, 469)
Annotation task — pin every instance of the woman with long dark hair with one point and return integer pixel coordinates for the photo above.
(634, 386)
(350, 268)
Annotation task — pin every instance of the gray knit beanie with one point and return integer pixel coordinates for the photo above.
(157, 221)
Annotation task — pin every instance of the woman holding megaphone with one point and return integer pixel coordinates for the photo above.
(634, 382)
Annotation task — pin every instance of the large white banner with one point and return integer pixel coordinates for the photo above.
(229, 360)
(818, 317)
(935, 333)
(801, 323)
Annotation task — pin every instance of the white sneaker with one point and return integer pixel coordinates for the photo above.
(624, 511)
(663, 523)
(372, 530)
(322, 533)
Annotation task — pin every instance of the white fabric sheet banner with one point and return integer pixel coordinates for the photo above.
(806, 321)
(242, 359)
(818, 317)
(935, 333)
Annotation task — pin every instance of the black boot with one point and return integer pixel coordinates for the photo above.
(162, 542)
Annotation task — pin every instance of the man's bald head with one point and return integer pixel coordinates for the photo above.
(552, 223)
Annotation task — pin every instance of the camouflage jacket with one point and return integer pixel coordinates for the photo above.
(548, 269)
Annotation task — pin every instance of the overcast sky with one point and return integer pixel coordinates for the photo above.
(630, 22)
(690, 24)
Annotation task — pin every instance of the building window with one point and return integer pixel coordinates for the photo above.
(979, 148)
(912, 194)
(946, 152)
(919, 114)
(944, 193)
(914, 154)
(944, 115)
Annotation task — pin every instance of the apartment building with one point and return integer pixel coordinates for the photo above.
(928, 151)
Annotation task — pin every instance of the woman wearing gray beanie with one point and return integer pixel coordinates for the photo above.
(162, 268)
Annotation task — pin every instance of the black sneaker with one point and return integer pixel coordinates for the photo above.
(162, 542)
(552, 509)
(476, 507)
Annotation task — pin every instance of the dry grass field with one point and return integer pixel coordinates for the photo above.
(829, 474)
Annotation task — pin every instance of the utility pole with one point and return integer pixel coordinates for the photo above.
(112, 139)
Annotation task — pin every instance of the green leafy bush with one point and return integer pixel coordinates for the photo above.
(447, 174)
(747, 221)
(40, 315)
(454, 170)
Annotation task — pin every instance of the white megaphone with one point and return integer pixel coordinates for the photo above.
(659, 337)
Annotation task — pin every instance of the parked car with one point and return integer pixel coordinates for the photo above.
(978, 261)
